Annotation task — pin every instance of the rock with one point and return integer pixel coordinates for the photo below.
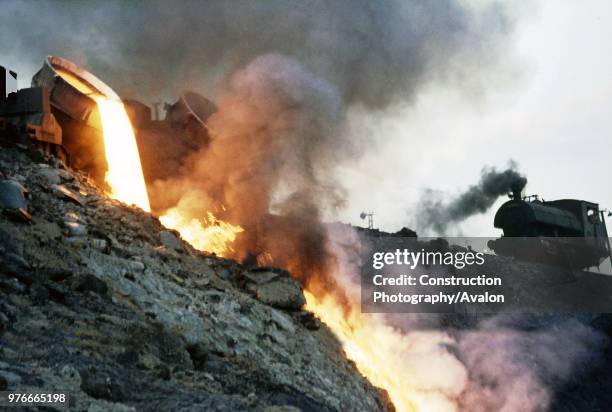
(99, 244)
(49, 176)
(76, 229)
(89, 283)
(148, 361)
(100, 405)
(71, 375)
(65, 175)
(169, 240)
(202, 282)
(72, 217)
(137, 266)
(100, 385)
(309, 320)
(19, 178)
(282, 320)
(64, 193)
(282, 408)
(13, 262)
(199, 355)
(215, 364)
(12, 285)
(55, 274)
(12, 194)
(57, 291)
(4, 323)
(162, 371)
(283, 293)
(39, 293)
(10, 379)
(3, 383)
(48, 230)
(13, 265)
(224, 273)
(76, 241)
(13, 201)
(261, 277)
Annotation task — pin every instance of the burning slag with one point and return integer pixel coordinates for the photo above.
(432, 299)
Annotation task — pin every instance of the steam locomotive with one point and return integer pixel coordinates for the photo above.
(566, 232)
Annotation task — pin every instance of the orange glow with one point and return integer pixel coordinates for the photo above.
(211, 235)
(75, 81)
(124, 175)
(402, 364)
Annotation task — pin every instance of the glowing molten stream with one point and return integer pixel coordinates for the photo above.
(416, 371)
(124, 175)
(210, 234)
(126, 180)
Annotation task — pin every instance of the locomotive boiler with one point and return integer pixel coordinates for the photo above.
(565, 232)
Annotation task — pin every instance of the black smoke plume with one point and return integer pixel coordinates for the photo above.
(434, 214)
(374, 53)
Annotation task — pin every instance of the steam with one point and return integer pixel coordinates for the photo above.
(435, 214)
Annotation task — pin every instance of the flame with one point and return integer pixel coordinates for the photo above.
(124, 175)
(211, 235)
(416, 377)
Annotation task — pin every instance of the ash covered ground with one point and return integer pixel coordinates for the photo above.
(100, 300)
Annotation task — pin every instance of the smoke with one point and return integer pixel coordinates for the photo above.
(433, 213)
(518, 369)
(268, 168)
(373, 52)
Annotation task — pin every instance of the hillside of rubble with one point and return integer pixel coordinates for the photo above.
(98, 299)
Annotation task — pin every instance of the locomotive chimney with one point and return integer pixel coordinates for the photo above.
(516, 189)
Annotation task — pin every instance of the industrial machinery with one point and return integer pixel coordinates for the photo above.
(565, 232)
(190, 114)
(169, 141)
(26, 117)
(73, 92)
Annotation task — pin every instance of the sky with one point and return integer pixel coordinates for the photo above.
(551, 114)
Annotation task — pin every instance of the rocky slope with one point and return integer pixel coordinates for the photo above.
(99, 300)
